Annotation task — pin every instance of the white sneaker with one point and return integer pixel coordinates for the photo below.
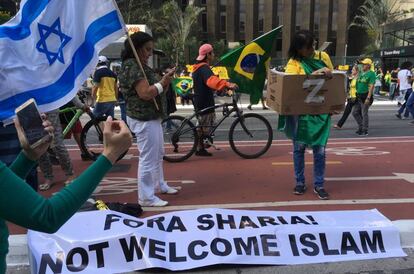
(170, 190)
(158, 203)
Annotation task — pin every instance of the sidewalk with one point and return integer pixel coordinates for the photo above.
(245, 101)
(18, 262)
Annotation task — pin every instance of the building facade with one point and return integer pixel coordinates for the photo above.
(244, 20)
(398, 44)
(398, 41)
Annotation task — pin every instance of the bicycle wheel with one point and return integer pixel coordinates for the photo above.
(92, 139)
(180, 138)
(250, 135)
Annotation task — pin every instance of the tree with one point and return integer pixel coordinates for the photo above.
(175, 24)
(134, 11)
(9, 6)
(373, 15)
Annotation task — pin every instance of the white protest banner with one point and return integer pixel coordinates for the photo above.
(111, 242)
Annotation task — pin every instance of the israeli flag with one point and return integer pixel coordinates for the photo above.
(50, 48)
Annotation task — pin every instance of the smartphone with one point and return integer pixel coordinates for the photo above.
(172, 71)
(32, 123)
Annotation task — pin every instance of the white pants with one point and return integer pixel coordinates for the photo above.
(150, 142)
(401, 97)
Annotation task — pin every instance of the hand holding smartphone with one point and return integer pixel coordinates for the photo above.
(166, 79)
(31, 124)
(170, 72)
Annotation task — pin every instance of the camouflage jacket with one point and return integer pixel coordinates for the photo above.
(137, 108)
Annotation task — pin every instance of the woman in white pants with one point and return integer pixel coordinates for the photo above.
(145, 109)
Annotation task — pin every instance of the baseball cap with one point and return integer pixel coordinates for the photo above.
(102, 59)
(203, 51)
(366, 61)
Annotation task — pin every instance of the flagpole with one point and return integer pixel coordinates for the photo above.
(134, 51)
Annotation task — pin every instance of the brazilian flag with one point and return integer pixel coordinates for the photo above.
(182, 85)
(247, 65)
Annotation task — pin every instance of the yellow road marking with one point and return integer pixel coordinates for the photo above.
(306, 163)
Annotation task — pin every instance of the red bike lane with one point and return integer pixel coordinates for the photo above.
(361, 173)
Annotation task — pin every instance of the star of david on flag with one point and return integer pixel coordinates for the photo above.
(42, 46)
(50, 48)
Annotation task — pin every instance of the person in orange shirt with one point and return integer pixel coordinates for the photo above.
(204, 84)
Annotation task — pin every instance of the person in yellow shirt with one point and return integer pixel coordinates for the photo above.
(351, 98)
(105, 90)
(307, 130)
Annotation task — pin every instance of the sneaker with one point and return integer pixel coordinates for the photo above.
(362, 133)
(249, 107)
(398, 116)
(85, 157)
(321, 192)
(203, 152)
(170, 190)
(299, 190)
(158, 203)
(337, 127)
(358, 132)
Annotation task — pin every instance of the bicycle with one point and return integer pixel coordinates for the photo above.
(246, 133)
(91, 141)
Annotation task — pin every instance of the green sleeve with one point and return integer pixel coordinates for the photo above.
(372, 78)
(22, 165)
(20, 204)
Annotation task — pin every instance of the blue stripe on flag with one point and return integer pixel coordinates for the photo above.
(98, 30)
(30, 12)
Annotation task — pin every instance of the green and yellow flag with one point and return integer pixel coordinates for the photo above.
(246, 66)
(182, 85)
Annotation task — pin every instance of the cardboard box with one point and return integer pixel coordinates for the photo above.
(306, 94)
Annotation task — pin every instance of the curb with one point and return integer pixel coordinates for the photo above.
(406, 228)
(259, 106)
(245, 102)
(18, 249)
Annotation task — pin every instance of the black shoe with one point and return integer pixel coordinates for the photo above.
(398, 116)
(85, 157)
(363, 133)
(299, 190)
(203, 152)
(358, 132)
(322, 194)
(249, 107)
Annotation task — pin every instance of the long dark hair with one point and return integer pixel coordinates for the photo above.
(138, 39)
(406, 65)
(300, 40)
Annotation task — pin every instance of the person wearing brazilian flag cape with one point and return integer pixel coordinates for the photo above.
(307, 130)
